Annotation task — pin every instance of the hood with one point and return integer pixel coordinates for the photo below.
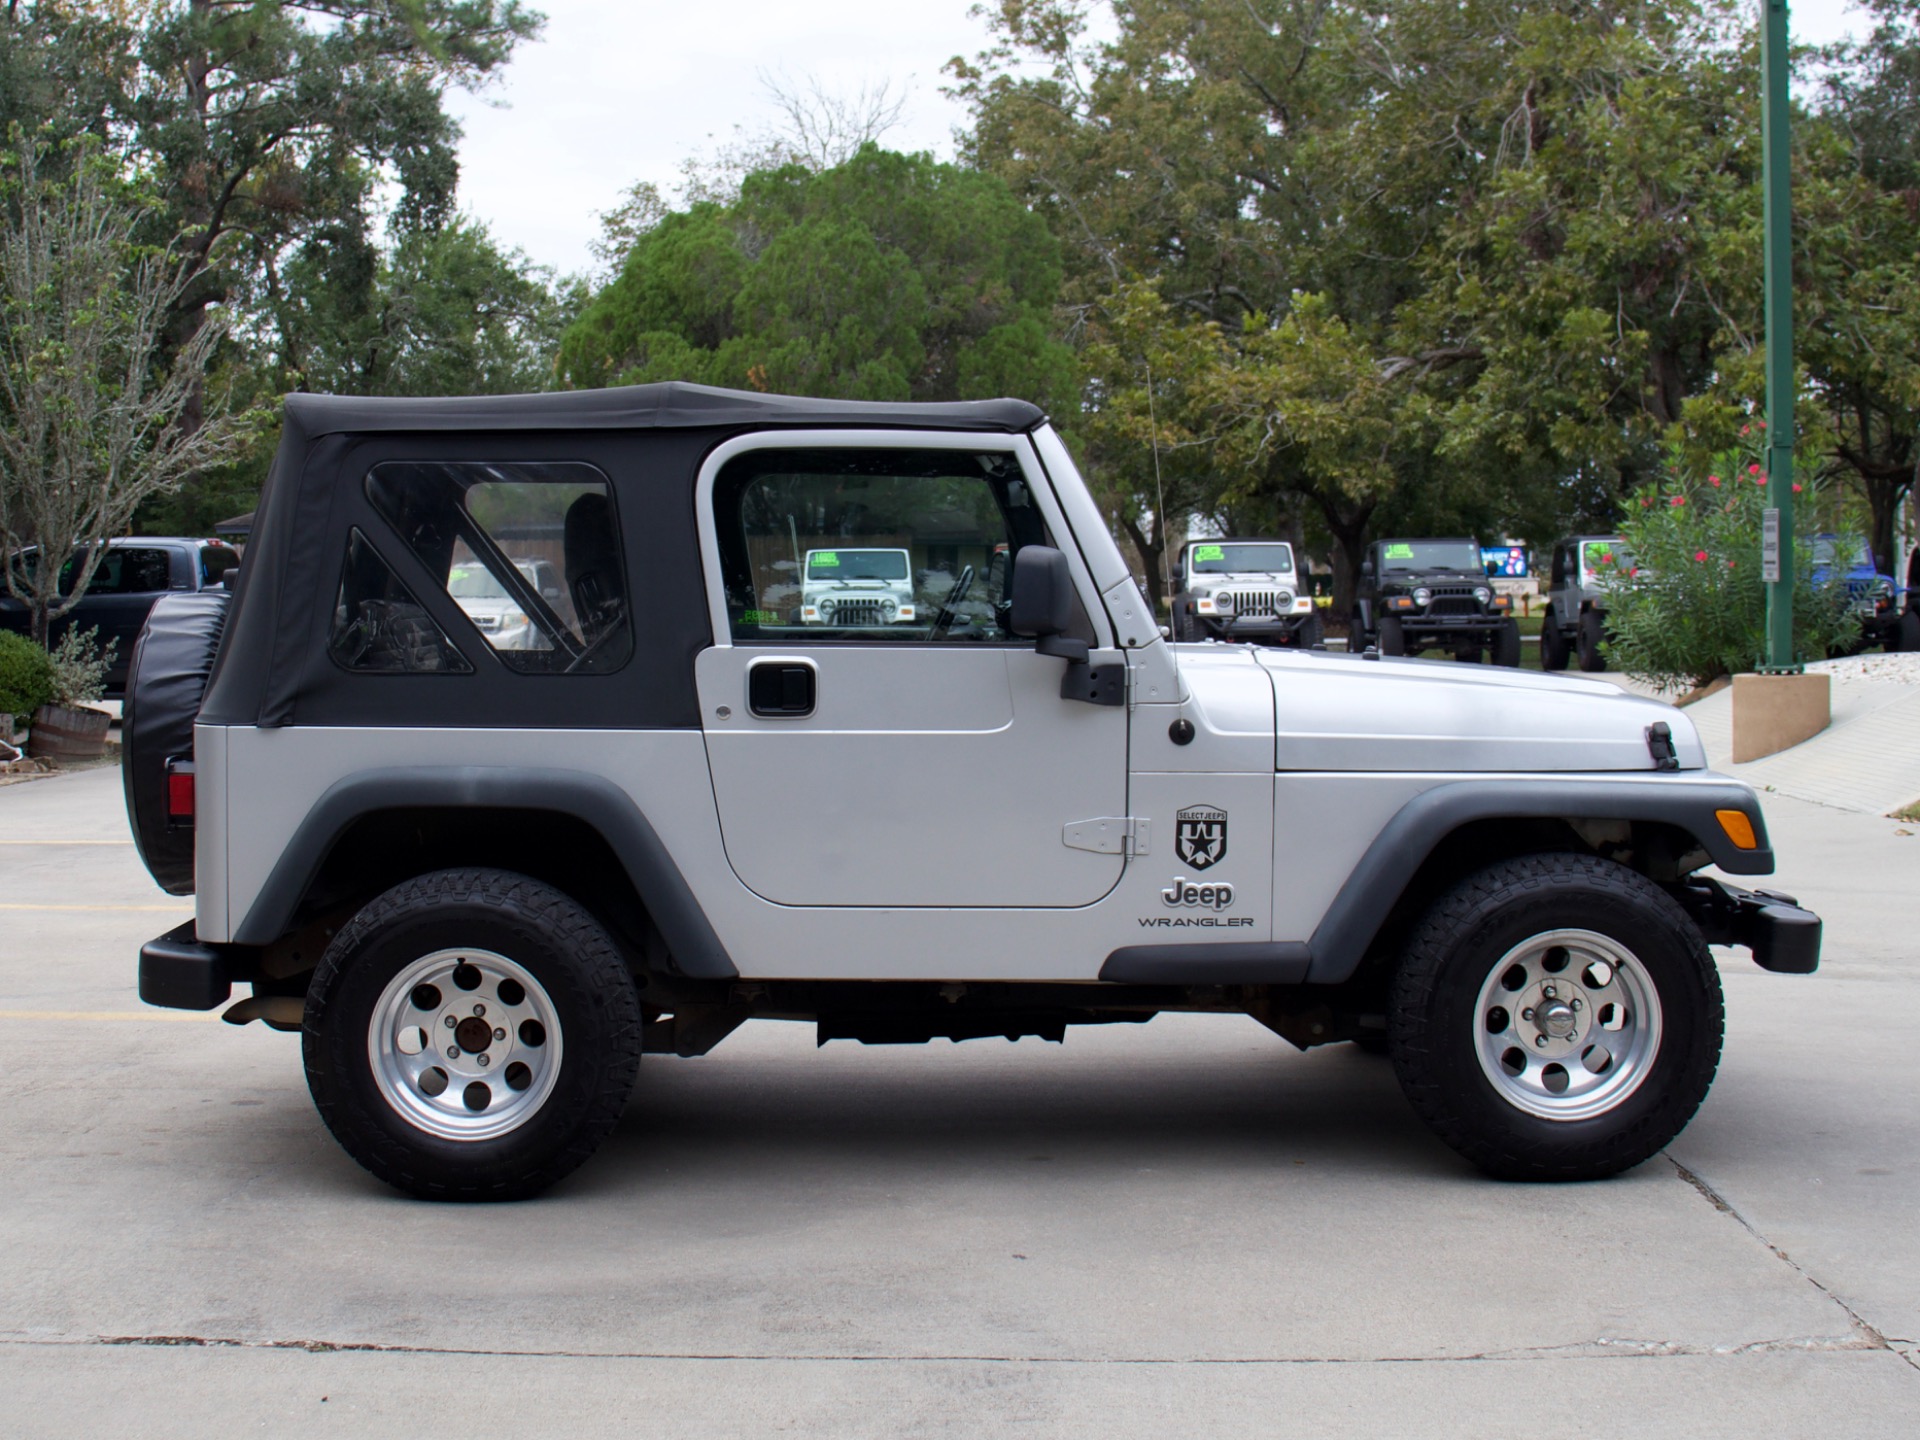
(1341, 712)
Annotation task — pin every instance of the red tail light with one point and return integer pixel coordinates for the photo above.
(180, 792)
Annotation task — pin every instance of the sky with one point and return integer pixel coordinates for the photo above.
(624, 90)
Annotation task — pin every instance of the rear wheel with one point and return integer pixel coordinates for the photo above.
(471, 1035)
(1556, 1017)
(1506, 644)
(1393, 636)
(1553, 642)
(1592, 635)
(1906, 635)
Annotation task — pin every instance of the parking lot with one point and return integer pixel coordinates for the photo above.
(1185, 1227)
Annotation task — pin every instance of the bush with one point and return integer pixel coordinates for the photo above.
(1694, 607)
(80, 667)
(26, 676)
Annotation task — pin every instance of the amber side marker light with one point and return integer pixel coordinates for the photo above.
(1739, 828)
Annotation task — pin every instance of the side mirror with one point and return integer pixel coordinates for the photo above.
(1366, 569)
(231, 579)
(1493, 570)
(1042, 592)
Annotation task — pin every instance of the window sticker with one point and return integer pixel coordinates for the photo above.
(1209, 552)
(1399, 552)
(826, 560)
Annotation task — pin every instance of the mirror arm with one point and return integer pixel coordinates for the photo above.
(1062, 647)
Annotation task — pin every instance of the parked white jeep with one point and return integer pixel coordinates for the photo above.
(845, 587)
(1244, 590)
(481, 882)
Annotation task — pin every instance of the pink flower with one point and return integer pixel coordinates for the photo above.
(1753, 469)
(1761, 423)
(1796, 487)
(1645, 502)
(1746, 429)
(1714, 480)
(1677, 501)
(1700, 555)
(1730, 564)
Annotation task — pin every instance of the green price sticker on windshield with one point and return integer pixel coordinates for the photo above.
(826, 560)
(1399, 552)
(1209, 552)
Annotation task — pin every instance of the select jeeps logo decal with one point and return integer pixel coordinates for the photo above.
(1200, 836)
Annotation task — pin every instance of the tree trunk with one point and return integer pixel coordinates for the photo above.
(1150, 548)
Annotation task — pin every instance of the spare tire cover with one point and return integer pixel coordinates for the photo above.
(166, 679)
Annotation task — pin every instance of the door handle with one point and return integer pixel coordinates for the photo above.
(781, 689)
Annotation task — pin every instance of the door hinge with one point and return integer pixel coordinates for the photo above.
(1109, 835)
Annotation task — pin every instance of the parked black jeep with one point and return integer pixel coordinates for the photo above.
(1417, 595)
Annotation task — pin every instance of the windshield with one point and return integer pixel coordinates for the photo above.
(471, 582)
(1213, 559)
(857, 565)
(1462, 555)
(1606, 557)
(1851, 549)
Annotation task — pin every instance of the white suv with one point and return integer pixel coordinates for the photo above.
(1244, 590)
(845, 588)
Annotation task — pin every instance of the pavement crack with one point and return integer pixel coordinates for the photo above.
(1602, 1348)
(1870, 1336)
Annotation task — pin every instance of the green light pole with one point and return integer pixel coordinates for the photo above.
(1776, 544)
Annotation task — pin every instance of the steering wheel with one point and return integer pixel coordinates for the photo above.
(943, 622)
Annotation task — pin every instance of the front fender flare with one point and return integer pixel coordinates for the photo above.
(1352, 921)
(594, 801)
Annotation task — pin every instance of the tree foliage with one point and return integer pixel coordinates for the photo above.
(888, 277)
(90, 424)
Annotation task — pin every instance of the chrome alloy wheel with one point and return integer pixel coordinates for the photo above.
(1567, 1025)
(464, 1044)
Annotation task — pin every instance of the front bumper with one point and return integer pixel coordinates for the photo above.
(1783, 937)
(178, 972)
(1254, 627)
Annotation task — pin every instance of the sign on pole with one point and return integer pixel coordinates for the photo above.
(1770, 545)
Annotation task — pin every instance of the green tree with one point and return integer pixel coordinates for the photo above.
(888, 277)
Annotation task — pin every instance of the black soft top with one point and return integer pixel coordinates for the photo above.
(673, 405)
(271, 666)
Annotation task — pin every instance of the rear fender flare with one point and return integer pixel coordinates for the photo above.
(594, 801)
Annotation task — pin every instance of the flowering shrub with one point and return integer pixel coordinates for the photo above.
(79, 667)
(1693, 607)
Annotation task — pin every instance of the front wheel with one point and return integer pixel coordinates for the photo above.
(1556, 1017)
(1393, 636)
(1592, 635)
(1506, 644)
(471, 1035)
(1310, 633)
(1553, 642)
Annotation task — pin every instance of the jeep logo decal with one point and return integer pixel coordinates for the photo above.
(1184, 892)
(1200, 836)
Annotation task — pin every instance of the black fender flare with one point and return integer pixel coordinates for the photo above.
(594, 801)
(1374, 887)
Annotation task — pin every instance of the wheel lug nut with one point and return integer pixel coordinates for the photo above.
(482, 1060)
(1540, 1040)
(499, 1034)
(453, 1052)
(479, 1009)
(1526, 1014)
(1576, 1004)
(450, 1022)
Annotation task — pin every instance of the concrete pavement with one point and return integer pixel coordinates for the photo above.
(1183, 1227)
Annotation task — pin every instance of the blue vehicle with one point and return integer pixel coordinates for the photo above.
(1871, 595)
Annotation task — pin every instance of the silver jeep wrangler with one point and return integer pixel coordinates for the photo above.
(481, 881)
(1244, 590)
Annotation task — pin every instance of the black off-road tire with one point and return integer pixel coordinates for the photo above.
(1554, 653)
(1593, 634)
(1906, 635)
(548, 935)
(1434, 1024)
(1310, 633)
(1506, 645)
(1393, 636)
(1185, 627)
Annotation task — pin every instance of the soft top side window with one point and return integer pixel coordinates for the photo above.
(888, 546)
(530, 552)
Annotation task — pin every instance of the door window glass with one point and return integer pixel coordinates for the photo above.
(872, 546)
(529, 552)
(123, 570)
(379, 628)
